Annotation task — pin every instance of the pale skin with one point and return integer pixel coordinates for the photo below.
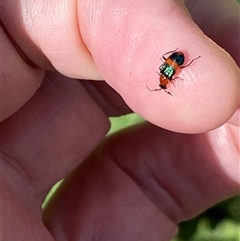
(141, 182)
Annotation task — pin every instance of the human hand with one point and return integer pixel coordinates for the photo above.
(141, 182)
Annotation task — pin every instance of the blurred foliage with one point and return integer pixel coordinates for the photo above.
(219, 223)
(125, 121)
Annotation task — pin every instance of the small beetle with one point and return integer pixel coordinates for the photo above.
(168, 69)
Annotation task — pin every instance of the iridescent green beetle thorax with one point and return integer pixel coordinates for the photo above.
(167, 71)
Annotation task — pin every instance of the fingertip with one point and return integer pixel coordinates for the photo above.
(205, 99)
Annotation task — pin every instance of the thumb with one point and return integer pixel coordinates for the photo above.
(127, 39)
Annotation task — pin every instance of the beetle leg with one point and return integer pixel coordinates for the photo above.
(171, 81)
